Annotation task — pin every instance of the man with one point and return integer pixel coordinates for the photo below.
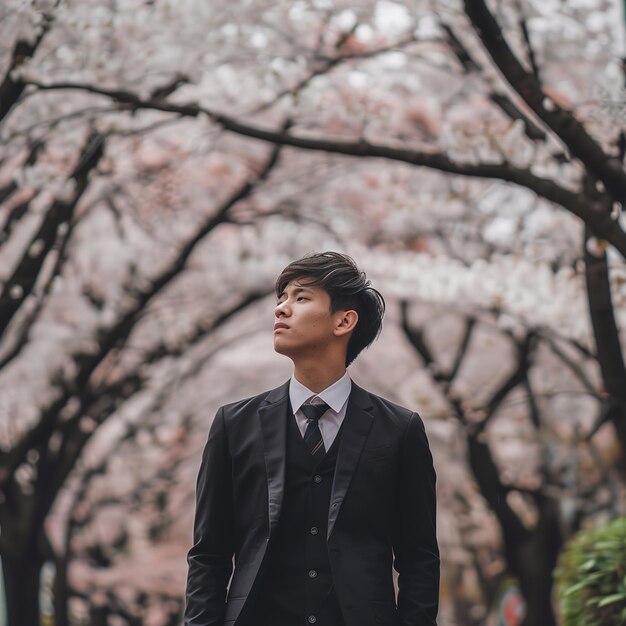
(318, 487)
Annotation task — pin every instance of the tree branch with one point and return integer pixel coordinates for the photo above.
(18, 211)
(574, 202)
(482, 464)
(508, 107)
(329, 63)
(111, 339)
(517, 377)
(607, 337)
(532, 57)
(10, 89)
(99, 403)
(563, 123)
(470, 325)
(20, 341)
(20, 284)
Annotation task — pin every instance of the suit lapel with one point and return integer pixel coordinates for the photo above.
(355, 430)
(274, 428)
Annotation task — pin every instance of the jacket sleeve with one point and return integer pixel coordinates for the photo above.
(210, 557)
(416, 552)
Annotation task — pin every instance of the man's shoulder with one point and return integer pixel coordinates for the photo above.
(401, 413)
(406, 421)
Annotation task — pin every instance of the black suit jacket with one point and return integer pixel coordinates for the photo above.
(382, 500)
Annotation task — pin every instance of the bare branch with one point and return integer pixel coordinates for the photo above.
(108, 341)
(23, 333)
(525, 349)
(470, 325)
(11, 89)
(511, 110)
(582, 207)
(460, 51)
(20, 284)
(99, 403)
(501, 100)
(35, 147)
(330, 63)
(481, 460)
(532, 57)
(563, 123)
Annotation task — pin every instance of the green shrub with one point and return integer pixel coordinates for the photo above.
(591, 577)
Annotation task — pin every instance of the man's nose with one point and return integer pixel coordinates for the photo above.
(280, 309)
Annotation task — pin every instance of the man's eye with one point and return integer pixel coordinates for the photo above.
(301, 298)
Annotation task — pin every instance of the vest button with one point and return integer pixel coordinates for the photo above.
(318, 479)
(311, 619)
(314, 530)
(312, 573)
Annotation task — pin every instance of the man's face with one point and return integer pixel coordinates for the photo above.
(303, 323)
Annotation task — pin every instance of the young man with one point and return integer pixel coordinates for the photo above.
(318, 487)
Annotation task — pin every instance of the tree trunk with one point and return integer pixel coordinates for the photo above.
(606, 335)
(534, 561)
(21, 581)
(61, 593)
(530, 554)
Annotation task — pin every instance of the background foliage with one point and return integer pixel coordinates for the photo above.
(592, 576)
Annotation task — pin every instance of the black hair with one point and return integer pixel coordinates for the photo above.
(347, 287)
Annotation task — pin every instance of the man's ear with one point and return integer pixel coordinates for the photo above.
(347, 322)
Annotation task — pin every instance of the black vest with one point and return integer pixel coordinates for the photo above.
(296, 580)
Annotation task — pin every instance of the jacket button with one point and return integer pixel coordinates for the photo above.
(314, 530)
(312, 573)
(311, 619)
(318, 479)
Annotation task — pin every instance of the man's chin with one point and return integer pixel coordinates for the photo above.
(280, 348)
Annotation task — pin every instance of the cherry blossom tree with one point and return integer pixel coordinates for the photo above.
(161, 163)
(536, 128)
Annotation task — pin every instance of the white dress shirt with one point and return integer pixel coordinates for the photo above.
(335, 396)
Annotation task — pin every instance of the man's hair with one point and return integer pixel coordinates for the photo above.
(347, 287)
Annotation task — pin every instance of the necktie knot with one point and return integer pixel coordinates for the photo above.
(313, 435)
(314, 411)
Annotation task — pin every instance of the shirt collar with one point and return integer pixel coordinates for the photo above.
(335, 395)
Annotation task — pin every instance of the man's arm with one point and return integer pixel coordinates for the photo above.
(210, 558)
(414, 535)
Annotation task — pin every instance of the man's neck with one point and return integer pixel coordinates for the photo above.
(316, 377)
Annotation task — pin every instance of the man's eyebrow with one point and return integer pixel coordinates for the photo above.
(295, 290)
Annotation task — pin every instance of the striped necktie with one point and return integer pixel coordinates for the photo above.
(313, 435)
